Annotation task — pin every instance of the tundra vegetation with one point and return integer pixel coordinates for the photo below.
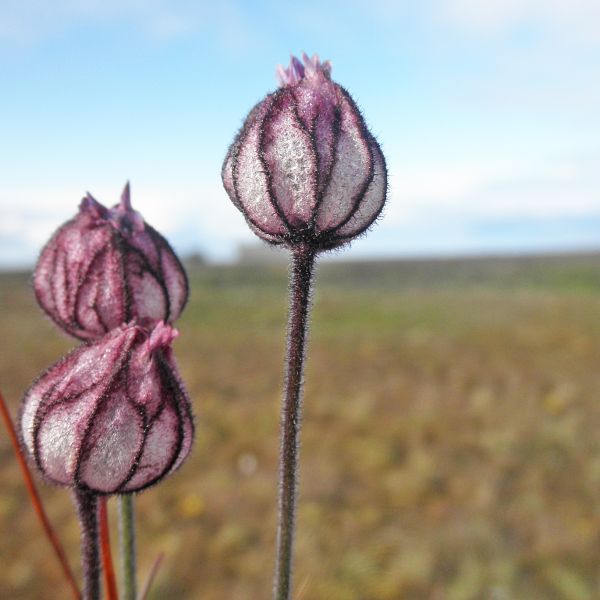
(450, 448)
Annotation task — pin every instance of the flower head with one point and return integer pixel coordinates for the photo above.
(110, 417)
(304, 169)
(106, 267)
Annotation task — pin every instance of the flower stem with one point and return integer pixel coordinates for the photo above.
(110, 582)
(127, 544)
(303, 259)
(36, 500)
(87, 508)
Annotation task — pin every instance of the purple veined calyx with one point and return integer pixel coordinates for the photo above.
(304, 168)
(307, 174)
(106, 267)
(112, 416)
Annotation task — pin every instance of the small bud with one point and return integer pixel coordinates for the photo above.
(304, 168)
(107, 267)
(110, 417)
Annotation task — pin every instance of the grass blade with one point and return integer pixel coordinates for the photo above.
(36, 500)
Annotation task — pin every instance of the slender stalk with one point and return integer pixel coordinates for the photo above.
(151, 577)
(110, 581)
(303, 259)
(87, 509)
(127, 545)
(36, 500)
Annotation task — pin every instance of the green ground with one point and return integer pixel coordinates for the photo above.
(451, 446)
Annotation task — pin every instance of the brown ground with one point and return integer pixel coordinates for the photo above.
(451, 446)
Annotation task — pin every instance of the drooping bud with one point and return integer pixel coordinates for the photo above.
(304, 169)
(107, 267)
(112, 416)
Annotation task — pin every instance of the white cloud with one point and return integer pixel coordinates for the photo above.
(572, 17)
(573, 20)
(191, 217)
(427, 201)
(29, 21)
(472, 190)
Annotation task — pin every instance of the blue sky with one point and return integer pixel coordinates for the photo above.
(488, 113)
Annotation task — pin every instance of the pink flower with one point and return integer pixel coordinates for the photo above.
(106, 267)
(112, 416)
(304, 168)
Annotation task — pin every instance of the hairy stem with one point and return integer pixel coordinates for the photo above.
(127, 546)
(87, 509)
(303, 260)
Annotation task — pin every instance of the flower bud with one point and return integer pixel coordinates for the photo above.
(304, 168)
(107, 267)
(112, 416)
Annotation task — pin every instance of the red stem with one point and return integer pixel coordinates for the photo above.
(109, 571)
(36, 500)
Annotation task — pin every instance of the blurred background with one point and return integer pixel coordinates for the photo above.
(450, 449)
